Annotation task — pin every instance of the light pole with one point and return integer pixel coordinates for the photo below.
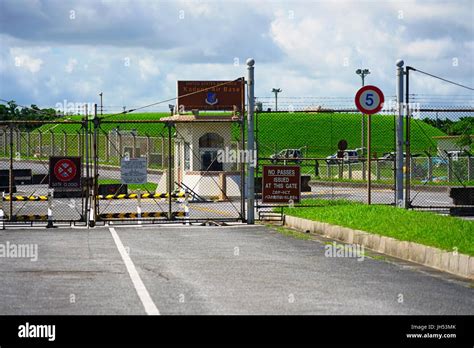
(363, 73)
(101, 106)
(276, 91)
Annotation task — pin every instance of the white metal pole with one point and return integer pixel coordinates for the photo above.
(250, 143)
(399, 137)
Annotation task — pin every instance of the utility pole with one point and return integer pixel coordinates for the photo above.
(251, 142)
(276, 91)
(399, 137)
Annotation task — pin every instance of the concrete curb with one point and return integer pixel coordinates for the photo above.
(459, 264)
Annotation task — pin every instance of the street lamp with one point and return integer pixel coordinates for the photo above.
(276, 91)
(363, 73)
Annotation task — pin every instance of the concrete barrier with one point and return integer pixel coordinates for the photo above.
(452, 262)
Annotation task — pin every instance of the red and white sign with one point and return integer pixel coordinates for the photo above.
(65, 172)
(369, 100)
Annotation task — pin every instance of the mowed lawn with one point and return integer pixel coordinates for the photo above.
(317, 133)
(444, 232)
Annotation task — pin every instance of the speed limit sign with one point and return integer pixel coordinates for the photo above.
(369, 100)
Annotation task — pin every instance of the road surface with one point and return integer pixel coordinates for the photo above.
(211, 270)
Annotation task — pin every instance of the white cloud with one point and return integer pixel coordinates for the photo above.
(428, 48)
(148, 68)
(25, 61)
(71, 64)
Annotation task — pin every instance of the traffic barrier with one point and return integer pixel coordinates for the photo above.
(25, 198)
(142, 196)
(30, 217)
(109, 216)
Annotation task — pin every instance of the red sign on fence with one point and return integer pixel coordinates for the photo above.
(281, 184)
(65, 172)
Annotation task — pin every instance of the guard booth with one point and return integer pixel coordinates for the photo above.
(202, 155)
(207, 141)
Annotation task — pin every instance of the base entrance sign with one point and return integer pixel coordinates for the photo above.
(281, 184)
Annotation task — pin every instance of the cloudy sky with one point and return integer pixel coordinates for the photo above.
(135, 51)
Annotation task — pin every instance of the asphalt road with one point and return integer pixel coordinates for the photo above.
(211, 270)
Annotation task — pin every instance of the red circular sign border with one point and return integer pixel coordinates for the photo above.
(376, 90)
(71, 163)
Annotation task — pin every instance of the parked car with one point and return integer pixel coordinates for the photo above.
(290, 155)
(350, 156)
(390, 156)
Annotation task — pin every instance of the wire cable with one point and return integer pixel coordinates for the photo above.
(440, 78)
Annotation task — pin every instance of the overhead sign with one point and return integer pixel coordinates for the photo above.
(281, 184)
(211, 95)
(133, 170)
(369, 100)
(65, 172)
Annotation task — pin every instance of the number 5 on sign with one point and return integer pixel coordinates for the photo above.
(369, 100)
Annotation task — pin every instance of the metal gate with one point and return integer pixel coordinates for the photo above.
(181, 178)
(191, 166)
(25, 151)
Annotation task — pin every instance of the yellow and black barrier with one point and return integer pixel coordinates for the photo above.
(142, 196)
(28, 217)
(159, 214)
(25, 198)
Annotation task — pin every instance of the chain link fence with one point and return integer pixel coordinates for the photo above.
(310, 131)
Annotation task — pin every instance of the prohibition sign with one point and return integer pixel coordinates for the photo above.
(369, 100)
(65, 170)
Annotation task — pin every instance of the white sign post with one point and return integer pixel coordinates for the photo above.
(133, 170)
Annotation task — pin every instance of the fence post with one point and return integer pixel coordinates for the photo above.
(170, 179)
(64, 143)
(18, 140)
(148, 147)
(50, 211)
(52, 138)
(341, 169)
(450, 168)
(470, 168)
(2, 214)
(139, 206)
(430, 169)
(40, 140)
(11, 179)
(250, 142)
(107, 148)
(399, 138)
(28, 143)
(377, 170)
(349, 167)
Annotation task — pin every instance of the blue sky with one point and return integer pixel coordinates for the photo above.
(135, 51)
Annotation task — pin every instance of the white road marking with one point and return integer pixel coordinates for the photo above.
(142, 292)
(441, 202)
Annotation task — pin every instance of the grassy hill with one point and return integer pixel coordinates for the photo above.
(321, 132)
(318, 132)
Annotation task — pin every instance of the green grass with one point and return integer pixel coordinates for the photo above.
(318, 132)
(293, 234)
(444, 232)
(148, 187)
(321, 132)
